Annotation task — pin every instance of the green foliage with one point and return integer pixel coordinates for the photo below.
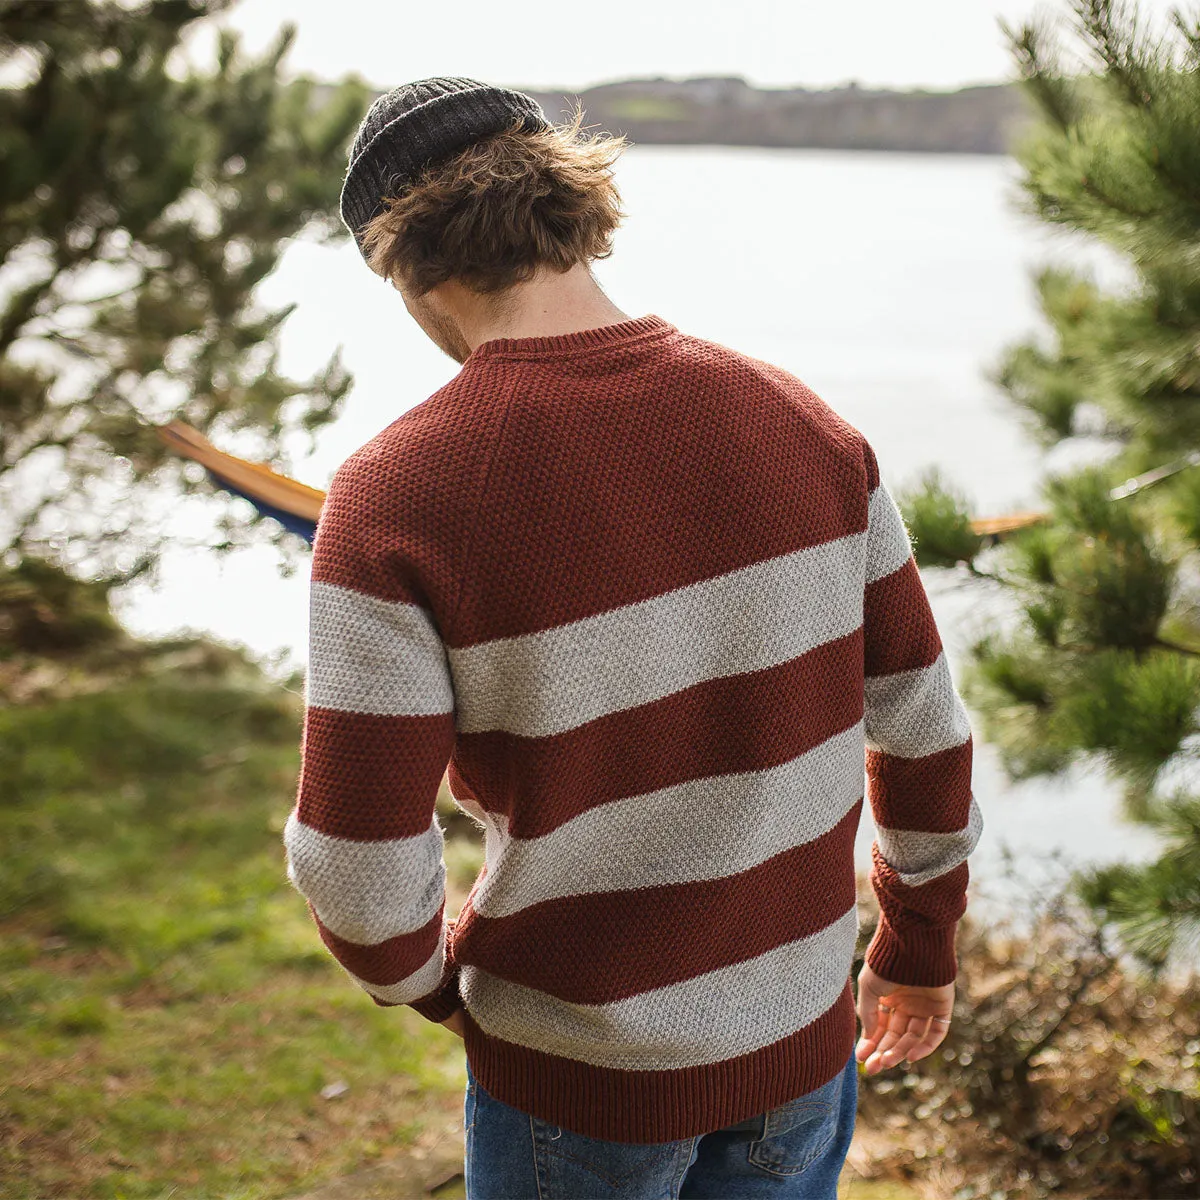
(1104, 660)
(165, 1001)
(1185, 505)
(1096, 576)
(1108, 575)
(1137, 710)
(1050, 388)
(1088, 669)
(1115, 157)
(1064, 1074)
(939, 522)
(1013, 685)
(1048, 708)
(141, 204)
(45, 611)
(1156, 907)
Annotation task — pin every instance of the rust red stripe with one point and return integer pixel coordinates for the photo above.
(800, 480)
(901, 634)
(663, 1106)
(385, 962)
(935, 905)
(604, 946)
(369, 777)
(930, 794)
(742, 722)
(367, 537)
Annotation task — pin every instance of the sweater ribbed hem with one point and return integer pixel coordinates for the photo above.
(915, 958)
(662, 1106)
(600, 338)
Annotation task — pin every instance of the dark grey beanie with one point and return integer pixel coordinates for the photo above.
(417, 125)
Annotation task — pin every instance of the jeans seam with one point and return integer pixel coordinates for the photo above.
(687, 1162)
(537, 1170)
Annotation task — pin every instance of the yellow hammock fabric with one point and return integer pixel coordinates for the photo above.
(297, 506)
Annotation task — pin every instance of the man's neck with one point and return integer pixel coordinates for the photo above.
(547, 305)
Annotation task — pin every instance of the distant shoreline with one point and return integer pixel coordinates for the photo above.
(728, 111)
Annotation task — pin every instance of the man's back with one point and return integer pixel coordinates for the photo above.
(648, 598)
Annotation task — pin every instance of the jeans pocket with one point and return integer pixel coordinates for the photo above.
(570, 1164)
(797, 1133)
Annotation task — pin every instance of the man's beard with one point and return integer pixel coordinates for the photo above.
(443, 333)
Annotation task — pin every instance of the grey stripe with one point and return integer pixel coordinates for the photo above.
(702, 829)
(919, 857)
(374, 656)
(888, 545)
(412, 987)
(914, 713)
(721, 1014)
(545, 683)
(367, 892)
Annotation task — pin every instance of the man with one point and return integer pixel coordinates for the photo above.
(648, 600)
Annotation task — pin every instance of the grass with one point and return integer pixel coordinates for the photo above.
(168, 1017)
(169, 1020)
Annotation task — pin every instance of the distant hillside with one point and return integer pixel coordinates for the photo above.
(730, 112)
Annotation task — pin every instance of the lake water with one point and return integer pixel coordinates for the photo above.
(887, 282)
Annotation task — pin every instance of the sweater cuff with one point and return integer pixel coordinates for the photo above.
(914, 958)
(443, 1003)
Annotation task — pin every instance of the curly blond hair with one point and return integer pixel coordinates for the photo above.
(493, 214)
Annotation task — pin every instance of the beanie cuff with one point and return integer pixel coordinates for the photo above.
(424, 135)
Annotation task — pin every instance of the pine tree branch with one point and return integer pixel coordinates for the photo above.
(1176, 648)
(22, 309)
(1190, 31)
(1116, 48)
(1090, 189)
(1048, 87)
(977, 573)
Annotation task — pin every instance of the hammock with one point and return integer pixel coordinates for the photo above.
(296, 506)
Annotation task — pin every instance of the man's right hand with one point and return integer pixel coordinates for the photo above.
(899, 1023)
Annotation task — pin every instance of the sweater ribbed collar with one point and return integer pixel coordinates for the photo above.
(603, 337)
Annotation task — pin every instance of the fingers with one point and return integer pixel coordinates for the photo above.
(890, 1022)
(873, 1013)
(938, 1028)
(895, 1044)
(868, 1014)
(869, 1040)
(899, 1024)
(904, 1038)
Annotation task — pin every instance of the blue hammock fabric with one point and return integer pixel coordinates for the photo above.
(292, 522)
(296, 506)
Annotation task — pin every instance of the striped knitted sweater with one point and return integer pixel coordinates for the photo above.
(647, 600)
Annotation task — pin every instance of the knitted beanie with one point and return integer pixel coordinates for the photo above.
(418, 124)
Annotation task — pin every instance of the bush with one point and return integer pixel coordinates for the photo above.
(1066, 1073)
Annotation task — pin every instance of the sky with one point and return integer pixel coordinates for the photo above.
(772, 43)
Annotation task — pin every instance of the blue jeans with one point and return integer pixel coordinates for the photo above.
(793, 1152)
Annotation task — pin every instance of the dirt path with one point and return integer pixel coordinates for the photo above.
(432, 1170)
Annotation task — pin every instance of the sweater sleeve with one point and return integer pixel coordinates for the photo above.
(363, 842)
(918, 762)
